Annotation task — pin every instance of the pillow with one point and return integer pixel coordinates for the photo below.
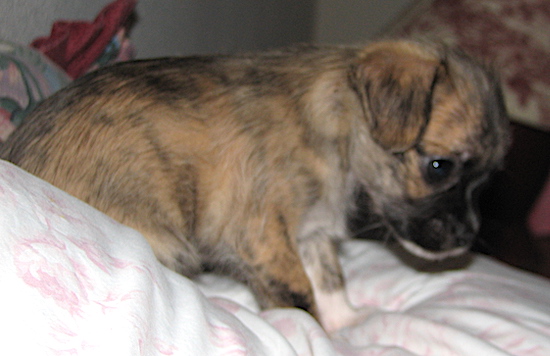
(26, 77)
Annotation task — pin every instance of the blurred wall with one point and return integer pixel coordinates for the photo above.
(175, 27)
(180, 27)
(355, 21)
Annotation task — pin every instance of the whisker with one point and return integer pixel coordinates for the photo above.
(369, 227)
(372, 227)
(387, 237)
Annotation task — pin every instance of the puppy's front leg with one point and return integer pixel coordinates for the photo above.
(320, 259)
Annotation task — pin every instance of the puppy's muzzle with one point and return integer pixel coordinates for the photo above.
(441, 226)
(439, 238)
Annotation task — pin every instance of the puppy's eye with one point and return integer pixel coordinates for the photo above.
(438, 170)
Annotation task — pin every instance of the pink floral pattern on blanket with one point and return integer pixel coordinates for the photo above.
(75, 282)
(512, 34)
(57, 259)
(80, 283)
(64, 280)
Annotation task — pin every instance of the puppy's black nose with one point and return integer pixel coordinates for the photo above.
(462, 233)
(446, 233)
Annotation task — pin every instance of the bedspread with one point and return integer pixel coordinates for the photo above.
(75, 282)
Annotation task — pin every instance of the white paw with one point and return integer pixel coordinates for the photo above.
(335, 311)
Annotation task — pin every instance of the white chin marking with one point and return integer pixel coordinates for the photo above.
(429, 255)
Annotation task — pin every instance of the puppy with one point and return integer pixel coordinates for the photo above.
(248, 165)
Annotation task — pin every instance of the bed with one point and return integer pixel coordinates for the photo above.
(75, 282)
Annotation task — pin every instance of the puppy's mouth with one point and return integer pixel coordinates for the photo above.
(435, 239)
(421, 252)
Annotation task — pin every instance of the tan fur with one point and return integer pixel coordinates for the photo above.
(249, 164)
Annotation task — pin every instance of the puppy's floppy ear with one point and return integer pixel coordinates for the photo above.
(395, 82)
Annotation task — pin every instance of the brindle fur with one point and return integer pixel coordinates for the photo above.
(249, 164)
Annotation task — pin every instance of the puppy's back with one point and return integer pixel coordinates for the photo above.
(140, 140)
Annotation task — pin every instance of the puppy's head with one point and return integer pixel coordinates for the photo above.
(435, 129)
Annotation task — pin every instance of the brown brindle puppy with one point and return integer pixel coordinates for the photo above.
(249, 164)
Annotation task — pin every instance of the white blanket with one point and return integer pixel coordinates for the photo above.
(75, 282)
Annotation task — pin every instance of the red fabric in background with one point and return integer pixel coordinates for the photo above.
(75, 45)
